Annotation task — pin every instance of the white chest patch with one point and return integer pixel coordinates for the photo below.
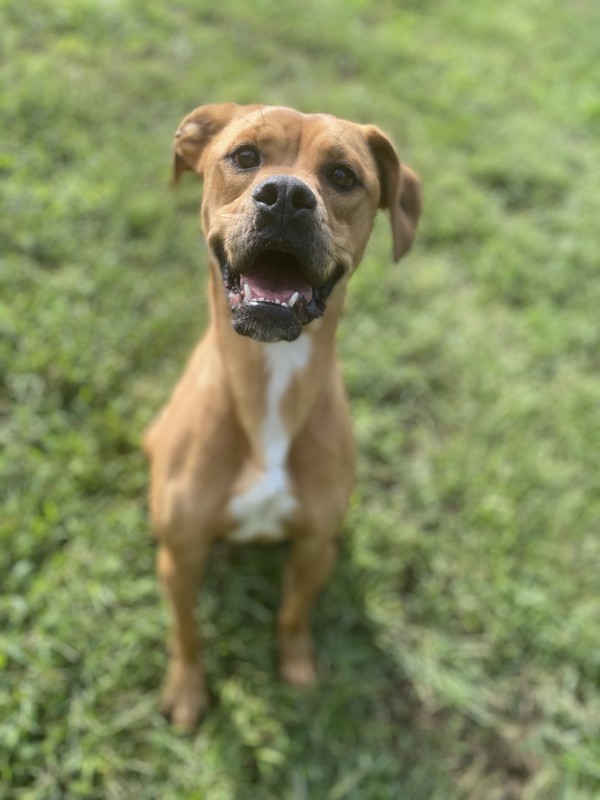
(262, 510)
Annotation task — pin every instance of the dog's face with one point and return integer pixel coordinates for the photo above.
(288, 206)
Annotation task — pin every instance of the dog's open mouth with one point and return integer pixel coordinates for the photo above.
(274, 277)
(271, 296)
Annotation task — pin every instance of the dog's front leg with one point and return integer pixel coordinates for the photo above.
(309, 565)
(184, 696)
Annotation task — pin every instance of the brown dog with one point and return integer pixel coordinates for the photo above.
(256, 442)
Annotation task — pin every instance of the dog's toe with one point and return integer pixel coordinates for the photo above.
(297, 662)
(301, 673)
(184, 698)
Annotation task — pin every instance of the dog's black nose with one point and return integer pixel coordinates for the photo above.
(282, 197)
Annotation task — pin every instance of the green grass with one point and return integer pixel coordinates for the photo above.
(459, 639)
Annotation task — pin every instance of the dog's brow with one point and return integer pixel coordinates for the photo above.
(342, 147)
(257, 126)
(341, 152)
(340, 135)
(338, 150)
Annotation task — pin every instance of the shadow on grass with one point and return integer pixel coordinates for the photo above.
(323, 742)
(361, 733)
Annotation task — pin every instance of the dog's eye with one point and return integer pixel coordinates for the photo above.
(246, 157)
(343, 177)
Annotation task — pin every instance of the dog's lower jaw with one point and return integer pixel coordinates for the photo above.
(266, 322)
(281, 314)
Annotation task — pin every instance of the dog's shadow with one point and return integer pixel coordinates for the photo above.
(358, 725)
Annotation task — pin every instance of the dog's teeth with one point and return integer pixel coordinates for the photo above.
(247, 292)
(262, 299)
(285, 304)
(292, 300)
(277, 301)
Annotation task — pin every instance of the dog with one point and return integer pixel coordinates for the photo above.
(255, 443)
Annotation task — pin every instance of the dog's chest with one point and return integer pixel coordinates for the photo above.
(263, 509)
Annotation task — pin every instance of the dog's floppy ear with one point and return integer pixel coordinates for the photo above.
(400, 191)
(195, 132)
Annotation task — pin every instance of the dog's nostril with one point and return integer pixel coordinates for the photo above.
(302, 197)
(266, 193)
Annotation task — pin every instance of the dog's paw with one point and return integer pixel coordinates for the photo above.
(184, 698)
(297, 662)
(299, 673)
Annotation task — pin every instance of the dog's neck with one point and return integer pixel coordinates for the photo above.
(291, 375)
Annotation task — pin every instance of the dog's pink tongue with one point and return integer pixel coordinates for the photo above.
(277, 283)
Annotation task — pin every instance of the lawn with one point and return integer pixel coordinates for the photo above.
(459, 639)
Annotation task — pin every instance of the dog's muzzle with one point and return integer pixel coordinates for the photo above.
(278, 270)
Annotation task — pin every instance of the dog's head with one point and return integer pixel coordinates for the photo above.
(288, 206)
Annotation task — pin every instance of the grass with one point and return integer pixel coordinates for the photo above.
(459, 637)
